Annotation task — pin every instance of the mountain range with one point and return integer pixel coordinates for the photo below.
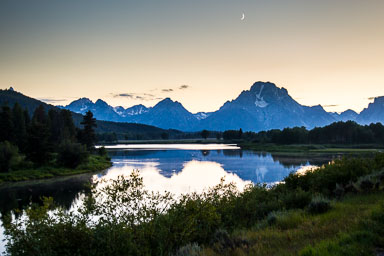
(263, 107)
(10, 97)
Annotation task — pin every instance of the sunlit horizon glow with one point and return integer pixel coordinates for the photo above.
(139, 52)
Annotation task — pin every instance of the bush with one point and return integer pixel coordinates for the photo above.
(72, 154)
(318, 205)
(9, 156)
(285, 219)
(271, 218)
(296, 199)
(102, 151)
(189, 250)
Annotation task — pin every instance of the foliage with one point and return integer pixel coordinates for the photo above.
(204, 134)
(42, 146)
(358, 242)
(341, 172)
(72, 154)
(319, 204)
(88, 136)
(189, 250)
(340, 133)
(9, 156)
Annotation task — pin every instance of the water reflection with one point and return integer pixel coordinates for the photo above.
(247, 165)
(195, 176)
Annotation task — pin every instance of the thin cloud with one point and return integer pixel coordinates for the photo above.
(330, 106)
(137, 96)
(184, 86)
(50, 100)
(167, 90)
(372, 98)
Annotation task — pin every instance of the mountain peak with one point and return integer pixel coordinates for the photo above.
(259, 84)
(82, 100)
(379, 100)
(167, 102)
(100, 102)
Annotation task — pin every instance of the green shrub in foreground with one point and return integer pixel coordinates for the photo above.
(319, 204)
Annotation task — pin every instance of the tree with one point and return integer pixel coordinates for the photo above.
(204, 134)
(69, 129)
(6, 124)
(20, 129)
(71, 154)
(38, 146)
(164, 135)
(88, 136)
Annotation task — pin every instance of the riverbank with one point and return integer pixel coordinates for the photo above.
(312, 148)
(94, 163)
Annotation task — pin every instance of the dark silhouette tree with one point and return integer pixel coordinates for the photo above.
(6, 124)
(88, 136)
(204, 134)
(38, 146)
(19, 126)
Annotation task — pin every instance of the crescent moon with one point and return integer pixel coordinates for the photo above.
(243, 16)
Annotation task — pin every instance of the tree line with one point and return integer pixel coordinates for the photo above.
(336, 133)
(45, 138)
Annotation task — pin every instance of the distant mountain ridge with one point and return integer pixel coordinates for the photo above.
(263, 107)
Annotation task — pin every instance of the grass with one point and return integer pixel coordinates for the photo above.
(297, 231)
(94, 163)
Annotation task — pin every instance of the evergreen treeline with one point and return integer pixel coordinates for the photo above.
(46, 138)
(336, 133)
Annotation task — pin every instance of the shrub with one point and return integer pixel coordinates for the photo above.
(288, 220)
(9, 156)
(318, 205)
(72, 154)
(221, 241)
(189, 250)
(271, 218)
(297, 198)
(102, 151)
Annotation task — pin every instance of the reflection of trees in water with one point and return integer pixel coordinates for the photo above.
(288, 160)
(205, 152)
(64, 193)
(233, 152)
(116, 153)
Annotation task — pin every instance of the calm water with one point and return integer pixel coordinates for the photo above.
(174, 168)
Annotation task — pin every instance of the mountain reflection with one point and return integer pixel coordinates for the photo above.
(195, 176)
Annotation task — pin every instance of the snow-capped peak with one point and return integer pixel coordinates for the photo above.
(260, 102)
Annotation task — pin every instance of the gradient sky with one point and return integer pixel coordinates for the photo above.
(197, 52)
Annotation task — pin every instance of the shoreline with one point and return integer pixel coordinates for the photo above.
(95, 164)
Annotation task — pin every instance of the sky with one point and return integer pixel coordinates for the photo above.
(198, 52)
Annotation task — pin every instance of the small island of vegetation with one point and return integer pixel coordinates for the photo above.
(47, 145)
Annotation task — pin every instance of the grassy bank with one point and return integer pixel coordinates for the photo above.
(93, 164)
(346, 229)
